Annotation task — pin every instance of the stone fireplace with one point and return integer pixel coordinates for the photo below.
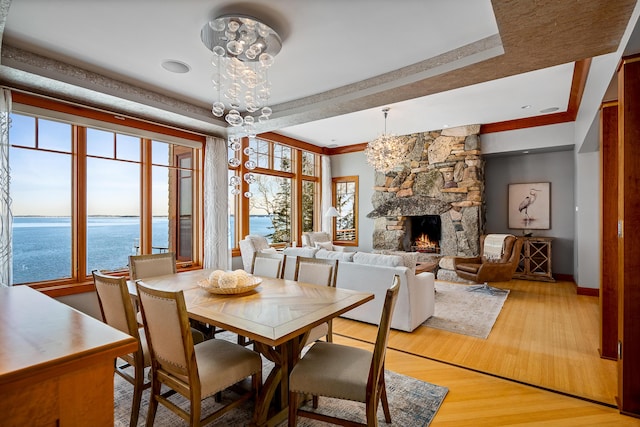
(443, 177)
(422, 234)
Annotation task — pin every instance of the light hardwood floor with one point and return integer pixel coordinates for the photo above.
(545, 338)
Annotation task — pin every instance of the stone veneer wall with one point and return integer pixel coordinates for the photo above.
(443, 175)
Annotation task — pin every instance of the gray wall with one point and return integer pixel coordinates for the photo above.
(558, 169)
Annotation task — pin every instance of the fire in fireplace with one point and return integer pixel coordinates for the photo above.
(423, 234)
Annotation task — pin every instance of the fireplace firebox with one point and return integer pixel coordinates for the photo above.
(422, 234)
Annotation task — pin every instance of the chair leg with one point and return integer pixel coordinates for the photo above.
(153, 402)
(385, 402)
(485, 288)
(138, 386)
(195, 411)
(372, 412)
(293, 409)
(330, 332)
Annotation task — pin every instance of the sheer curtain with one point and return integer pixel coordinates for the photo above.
(5, 198)
(216, 205)
(327, 199)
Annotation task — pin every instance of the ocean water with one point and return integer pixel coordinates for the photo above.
(42, 245)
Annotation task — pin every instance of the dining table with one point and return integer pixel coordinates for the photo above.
(277, 316)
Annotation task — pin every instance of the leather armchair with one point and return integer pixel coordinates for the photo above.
(482, 270)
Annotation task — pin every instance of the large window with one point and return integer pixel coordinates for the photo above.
(284, 191)
(85, 198)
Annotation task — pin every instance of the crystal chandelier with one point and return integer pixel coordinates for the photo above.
(386, 151)
(243, 50)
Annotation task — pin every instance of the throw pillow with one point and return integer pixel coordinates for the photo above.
(324, 245)
(340, 256)
(305, 252)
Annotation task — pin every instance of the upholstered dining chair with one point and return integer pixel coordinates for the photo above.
(267, 265)
(150, 265)
(143, 266)
(117, 311)
(497, 262)
(194, 371)
(317, 271)
(343, 372)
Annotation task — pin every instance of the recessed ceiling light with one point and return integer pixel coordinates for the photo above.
(332, 145)
(176, 66)
(524, 107)
(525, 152)
(549, 110)
(445, 126)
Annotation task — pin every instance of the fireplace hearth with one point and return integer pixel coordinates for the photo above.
(423, 234)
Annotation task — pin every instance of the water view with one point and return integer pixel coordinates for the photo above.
(42, 245)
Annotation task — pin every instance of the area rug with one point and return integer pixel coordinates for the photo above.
(463, 312)
(412, 403)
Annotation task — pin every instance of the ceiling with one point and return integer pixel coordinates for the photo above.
(436, 63)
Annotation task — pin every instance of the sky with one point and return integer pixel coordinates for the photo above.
(41, 180)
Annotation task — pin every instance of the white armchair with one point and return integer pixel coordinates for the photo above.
(310, 238)
(251, 244)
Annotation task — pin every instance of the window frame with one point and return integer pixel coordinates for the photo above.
(334, 182)
(81, 118)
(297, 149)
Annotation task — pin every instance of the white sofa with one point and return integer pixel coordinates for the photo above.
(368, 272)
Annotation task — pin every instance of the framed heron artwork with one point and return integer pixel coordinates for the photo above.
(529, 206)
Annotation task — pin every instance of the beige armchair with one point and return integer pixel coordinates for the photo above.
(250, 245)
(310, 238)
(483, 269)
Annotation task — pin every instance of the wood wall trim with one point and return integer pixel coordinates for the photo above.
(590, 292)
(347, 149)
(578, 82)
(292, 142)
(609, 230)
(580, 73)
(628, 261)
(114, 118)
(564, 277)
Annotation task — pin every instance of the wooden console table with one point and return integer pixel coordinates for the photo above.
(535, 260)
(56, 363)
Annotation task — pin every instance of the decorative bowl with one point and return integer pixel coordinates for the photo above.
(254, 283)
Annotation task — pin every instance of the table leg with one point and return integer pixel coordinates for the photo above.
(275, 391)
